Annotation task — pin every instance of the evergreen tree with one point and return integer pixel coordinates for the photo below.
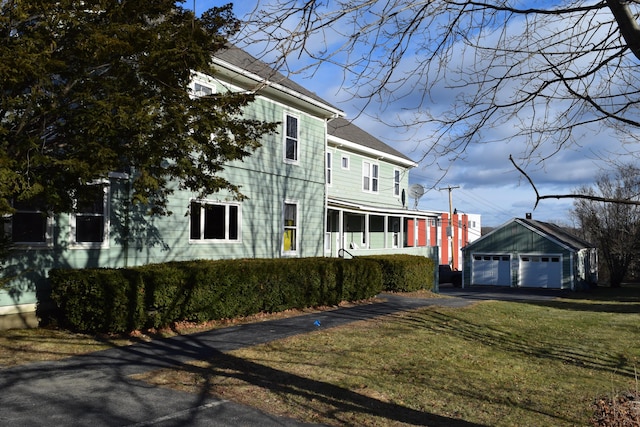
(95, 86)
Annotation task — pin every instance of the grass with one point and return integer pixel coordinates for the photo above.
(493, 363)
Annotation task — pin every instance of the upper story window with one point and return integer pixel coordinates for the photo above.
(369, 177)
(290, 228)
(329, 168)
(202, 90)
(345, 162)
(30, 225)
(291, 139)
(396, 182)
(90, 221)
(214, 222)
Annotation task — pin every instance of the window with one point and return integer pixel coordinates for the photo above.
(202, 90)
(329, 166)
(291, 146)
(90, 224)
(345, 162)
(369, 177)
(396, 182)
(290, 234)
(214, 222)
(29, 225)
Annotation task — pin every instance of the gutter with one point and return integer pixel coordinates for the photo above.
(265, 82)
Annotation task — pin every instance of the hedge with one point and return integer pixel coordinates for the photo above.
(406, 273)
(156, 295)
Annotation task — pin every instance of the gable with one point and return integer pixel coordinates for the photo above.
(343, 133)
(520, 235)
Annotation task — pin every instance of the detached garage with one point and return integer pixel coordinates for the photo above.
(528, 253)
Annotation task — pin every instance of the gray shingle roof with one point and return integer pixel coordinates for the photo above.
(239, 58)
(559, 233)
(346, 130)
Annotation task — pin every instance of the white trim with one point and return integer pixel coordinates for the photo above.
(344, 157)
(17, 309)
(377, 154)
(226, 239)
(329, 159)
(104, 244)
(399, 171)
(370, 176)
(295, 252)
(266, 82)
(295, 161)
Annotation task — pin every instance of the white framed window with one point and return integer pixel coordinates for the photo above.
(329, 168)
(200, 90)
(291, 139)
(396, 182)
(370, 177)
(30, 225)
(290, 228)
(90, 219)
(214, 222)
(344, 162)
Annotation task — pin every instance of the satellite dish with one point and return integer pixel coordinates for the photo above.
(416, 191)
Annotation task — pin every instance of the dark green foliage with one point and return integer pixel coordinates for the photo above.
(98, 86)
(406, 273)
(106, 300)
(118, 300)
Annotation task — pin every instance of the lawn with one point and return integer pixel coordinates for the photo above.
(493, 363)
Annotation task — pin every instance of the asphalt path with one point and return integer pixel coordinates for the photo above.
(97, 389)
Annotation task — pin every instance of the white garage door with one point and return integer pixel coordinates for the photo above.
(494, 270)
(540, 271)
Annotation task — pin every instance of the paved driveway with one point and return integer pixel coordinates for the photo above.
(503, 293)
(97, 389)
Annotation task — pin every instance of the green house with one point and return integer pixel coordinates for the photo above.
(368, 206)
(529, 253)
(282, 216)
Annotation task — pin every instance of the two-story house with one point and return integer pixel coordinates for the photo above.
(367, 197)
(283, 214)
(319, 185)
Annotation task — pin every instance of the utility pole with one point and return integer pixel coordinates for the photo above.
(450, 230)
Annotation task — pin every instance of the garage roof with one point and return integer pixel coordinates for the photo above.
(549, 231)
(559, 233)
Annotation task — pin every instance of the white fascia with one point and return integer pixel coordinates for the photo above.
(339, 142)
(334, 112)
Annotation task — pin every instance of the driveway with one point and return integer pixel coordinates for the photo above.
(97, 389)
(504, 293)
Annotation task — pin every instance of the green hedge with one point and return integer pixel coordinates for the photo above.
(121, 300)
(406, 273)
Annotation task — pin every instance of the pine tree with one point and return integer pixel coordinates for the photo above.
(95, 86)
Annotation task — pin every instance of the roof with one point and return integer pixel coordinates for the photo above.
(245, 61)
(344, 129)
(559, 233)
(550, 231)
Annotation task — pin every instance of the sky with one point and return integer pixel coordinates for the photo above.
(484, 181)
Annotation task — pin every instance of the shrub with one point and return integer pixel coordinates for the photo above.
(156, 295)
(405, 273)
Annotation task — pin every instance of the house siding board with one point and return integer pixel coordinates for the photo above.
(347, 183)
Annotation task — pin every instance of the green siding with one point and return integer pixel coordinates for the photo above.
(515, 239)
(265, 179)
(347, 183)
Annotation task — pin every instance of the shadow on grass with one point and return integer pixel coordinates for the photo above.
(340, 401)
(551, 347)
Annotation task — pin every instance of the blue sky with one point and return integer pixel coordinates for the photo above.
(488, 183)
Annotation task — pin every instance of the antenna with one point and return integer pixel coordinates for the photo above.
(416, 191)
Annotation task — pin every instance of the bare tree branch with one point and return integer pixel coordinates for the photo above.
(594, 198)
